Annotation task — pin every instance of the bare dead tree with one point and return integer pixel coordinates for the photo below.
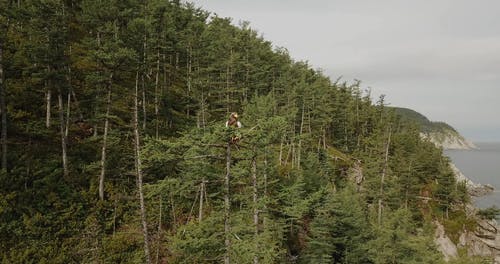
(105, 138)
(382, 178)
(138, 170)
(227, 206)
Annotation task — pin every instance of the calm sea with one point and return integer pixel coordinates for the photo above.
(481, 166)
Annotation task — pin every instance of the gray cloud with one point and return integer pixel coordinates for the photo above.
(441, 58)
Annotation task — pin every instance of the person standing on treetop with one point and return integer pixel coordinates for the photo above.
(233, 121)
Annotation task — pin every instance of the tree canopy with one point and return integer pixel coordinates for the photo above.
(116, 151)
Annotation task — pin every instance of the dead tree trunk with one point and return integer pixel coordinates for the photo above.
(70, 91)
(280, 156)
(144, 113)
(48, 98)
(105, 138)
(299, 148)
(3, 110)
(407, 187)
(265, 189)
(228, 81)
(77, 104)
(157, 82)
(159, 233)
(68, 113)
(255, 209)
(139, 170)
(202, 192)
(63, 134)
(382, 178)
(227, 227)
(144, 117)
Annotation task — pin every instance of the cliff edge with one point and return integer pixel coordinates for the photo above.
(439, 133)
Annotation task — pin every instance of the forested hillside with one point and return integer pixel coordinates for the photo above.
(114, 148)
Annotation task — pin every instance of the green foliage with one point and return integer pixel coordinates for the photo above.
(339, 230)
(305, 174)
(399, 240)
(425, 124)
(489, 213)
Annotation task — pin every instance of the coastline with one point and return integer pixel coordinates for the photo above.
(484, 240)
(474, 189)
(480, 169)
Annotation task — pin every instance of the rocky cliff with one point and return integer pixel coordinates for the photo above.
(483, 240)
(448, 139)
(439, 133)
(474, 189)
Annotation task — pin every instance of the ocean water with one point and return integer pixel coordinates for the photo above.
(481, 166)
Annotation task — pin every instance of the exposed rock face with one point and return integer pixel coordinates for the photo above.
(449, 139)
(444, 243)
(439, 133)
(484, 241)
(355, 173)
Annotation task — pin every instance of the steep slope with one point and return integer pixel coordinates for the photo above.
(439, 133)
(320, 173)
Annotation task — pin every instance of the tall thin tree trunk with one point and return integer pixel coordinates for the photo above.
(265, 189)
(407, 185)
(255, 209)
(97, 95)
(382, 178)
(227, 206)
(68, 113)
(247, 76)
(145, 47)
(202, 192)
(96, 112)
(324, 138)
(227, 89)
(189, 68)
(48, 98)
(63, 134)
(159, 233)
(77, 104)
(299, 147)
(138, 170)
(114, 216)
(156, 101)
(68, 110)
(228, 80)
(280, 156)
(105, 138)
(203, 118)
(3, 110)
(288, 153)
(144, 114)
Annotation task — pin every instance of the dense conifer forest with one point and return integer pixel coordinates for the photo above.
(114, 148)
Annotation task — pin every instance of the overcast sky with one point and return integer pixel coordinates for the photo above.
(440, 57)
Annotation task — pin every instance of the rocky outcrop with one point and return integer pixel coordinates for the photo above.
(474, 189)
(444, 243)
(439, 133)
(484, 241)
(449, 139)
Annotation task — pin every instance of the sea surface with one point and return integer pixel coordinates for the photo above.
(481, 166)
